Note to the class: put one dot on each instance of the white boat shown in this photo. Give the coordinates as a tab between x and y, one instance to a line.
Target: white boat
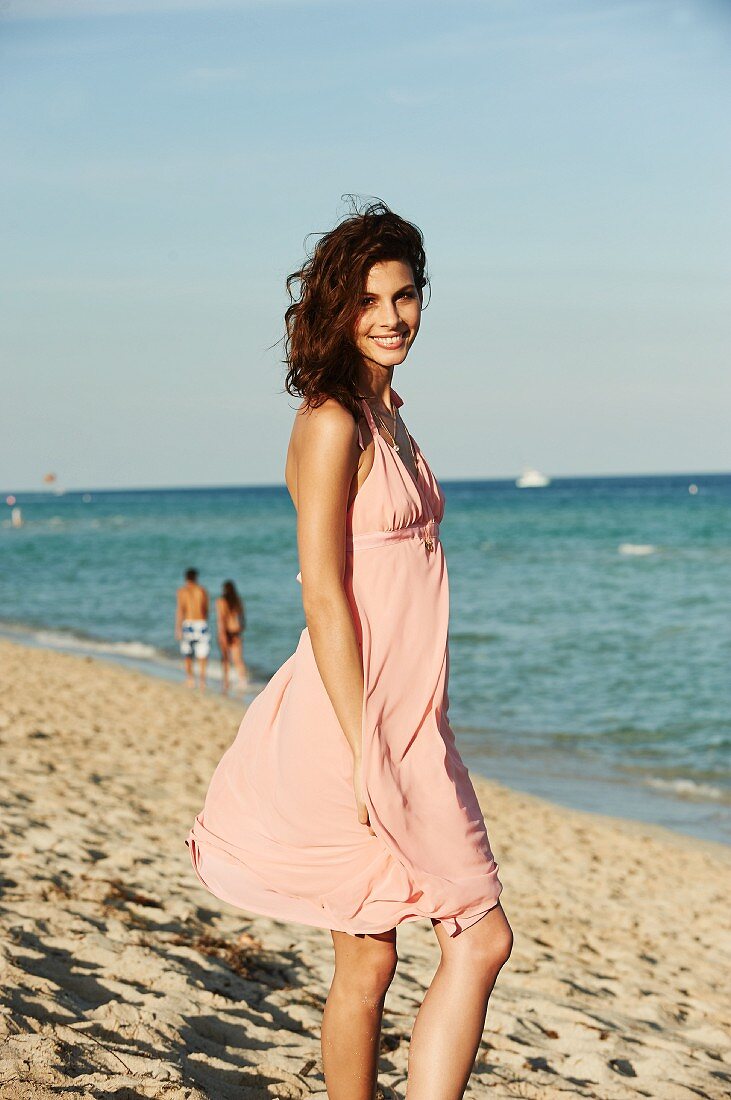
532	479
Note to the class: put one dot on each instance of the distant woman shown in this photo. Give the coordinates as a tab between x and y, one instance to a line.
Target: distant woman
231	622
343	802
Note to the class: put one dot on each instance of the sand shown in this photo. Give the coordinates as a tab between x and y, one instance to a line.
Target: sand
122	977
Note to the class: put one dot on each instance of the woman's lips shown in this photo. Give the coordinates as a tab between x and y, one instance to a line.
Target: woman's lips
388	343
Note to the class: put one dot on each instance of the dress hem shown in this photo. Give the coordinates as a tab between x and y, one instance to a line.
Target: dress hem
460	923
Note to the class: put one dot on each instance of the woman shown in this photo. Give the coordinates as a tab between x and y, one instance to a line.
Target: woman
231	621
343	802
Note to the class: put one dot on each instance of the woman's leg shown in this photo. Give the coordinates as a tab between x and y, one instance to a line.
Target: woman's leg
449	1024
224	665
351	1022
237	655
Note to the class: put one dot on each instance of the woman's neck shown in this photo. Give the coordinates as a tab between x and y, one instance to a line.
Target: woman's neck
376	388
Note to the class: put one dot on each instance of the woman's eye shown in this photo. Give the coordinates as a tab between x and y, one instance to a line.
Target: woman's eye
407	294
367	302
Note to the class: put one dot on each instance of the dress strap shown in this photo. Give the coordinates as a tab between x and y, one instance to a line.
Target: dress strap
369	416
361	444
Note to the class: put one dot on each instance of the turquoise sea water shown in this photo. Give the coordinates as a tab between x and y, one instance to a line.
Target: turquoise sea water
590	633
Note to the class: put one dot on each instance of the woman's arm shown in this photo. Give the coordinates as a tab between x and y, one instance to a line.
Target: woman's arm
326	462
178	615
221	608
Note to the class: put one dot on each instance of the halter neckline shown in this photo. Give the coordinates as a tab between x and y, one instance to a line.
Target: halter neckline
415	481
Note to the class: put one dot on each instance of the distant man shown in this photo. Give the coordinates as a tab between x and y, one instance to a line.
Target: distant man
191	627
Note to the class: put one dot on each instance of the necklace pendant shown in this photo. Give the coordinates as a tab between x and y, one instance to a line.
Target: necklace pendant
396	447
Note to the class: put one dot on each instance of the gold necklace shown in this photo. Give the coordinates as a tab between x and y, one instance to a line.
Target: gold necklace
396	417
391	436
394	444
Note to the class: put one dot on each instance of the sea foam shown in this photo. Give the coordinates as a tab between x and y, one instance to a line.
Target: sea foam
636	549
687	788
139	651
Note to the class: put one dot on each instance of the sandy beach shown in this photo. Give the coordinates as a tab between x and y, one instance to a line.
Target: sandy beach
122	977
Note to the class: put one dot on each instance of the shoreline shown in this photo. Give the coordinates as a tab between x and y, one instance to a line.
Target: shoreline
560	778
125	977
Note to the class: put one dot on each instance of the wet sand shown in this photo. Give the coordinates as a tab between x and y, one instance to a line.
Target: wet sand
122	977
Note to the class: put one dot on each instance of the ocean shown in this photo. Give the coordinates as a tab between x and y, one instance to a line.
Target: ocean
590	631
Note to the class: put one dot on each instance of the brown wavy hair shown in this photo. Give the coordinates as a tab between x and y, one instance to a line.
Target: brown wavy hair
231	596
325	300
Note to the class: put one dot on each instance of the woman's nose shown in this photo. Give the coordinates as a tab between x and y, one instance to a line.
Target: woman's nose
388	315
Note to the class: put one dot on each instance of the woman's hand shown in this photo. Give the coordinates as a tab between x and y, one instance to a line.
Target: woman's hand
358	789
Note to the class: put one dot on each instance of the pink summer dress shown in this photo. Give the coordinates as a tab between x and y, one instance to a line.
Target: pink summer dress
279	833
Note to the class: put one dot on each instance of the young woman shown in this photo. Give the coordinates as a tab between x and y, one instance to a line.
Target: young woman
344	802
231	622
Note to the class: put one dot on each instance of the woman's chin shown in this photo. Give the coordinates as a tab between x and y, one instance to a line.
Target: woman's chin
386	359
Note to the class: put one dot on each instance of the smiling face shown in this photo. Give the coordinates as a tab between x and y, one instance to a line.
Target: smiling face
390	314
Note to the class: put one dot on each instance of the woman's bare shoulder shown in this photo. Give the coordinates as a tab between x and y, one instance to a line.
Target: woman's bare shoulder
323	442
325	424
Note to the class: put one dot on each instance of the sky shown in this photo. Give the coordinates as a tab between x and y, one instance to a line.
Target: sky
164	161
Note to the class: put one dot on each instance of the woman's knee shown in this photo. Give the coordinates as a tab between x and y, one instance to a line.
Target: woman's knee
502	946
385	970
487	945
377	972
368	970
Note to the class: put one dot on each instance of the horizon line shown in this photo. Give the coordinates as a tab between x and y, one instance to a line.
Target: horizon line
509	480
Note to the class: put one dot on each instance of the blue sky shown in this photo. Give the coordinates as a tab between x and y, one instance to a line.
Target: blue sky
568	162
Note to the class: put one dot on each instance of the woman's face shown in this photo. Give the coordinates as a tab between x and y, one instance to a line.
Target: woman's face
390	314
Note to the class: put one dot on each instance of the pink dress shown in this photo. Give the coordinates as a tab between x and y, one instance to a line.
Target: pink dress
279	833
